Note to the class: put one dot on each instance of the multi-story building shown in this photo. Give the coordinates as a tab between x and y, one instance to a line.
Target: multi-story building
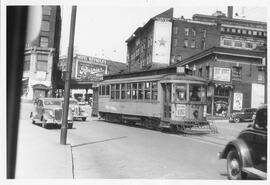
86	72
40	75
165	40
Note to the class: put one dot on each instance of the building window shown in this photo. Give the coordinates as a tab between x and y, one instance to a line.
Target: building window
244	31
254	33
236	72
185	43
44	42
249	32
239	31
233	30
227	42
186	31
193	33
238	44
193	44
260	33
46	10
222	29
265	34
203	44
175	42
175	30
204	33
227	29
249	45
45	26
26	63
42	63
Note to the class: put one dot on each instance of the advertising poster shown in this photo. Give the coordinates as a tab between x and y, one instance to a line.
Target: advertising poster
237	101
222	74
90	71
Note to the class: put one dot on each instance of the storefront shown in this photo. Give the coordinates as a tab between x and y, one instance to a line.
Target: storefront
40	91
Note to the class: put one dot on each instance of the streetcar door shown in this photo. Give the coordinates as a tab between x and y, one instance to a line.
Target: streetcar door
167	92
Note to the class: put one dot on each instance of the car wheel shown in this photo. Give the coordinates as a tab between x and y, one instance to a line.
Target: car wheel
83	119
43	124
236	120
234	166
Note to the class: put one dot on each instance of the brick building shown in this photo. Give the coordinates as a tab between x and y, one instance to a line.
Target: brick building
40	75
165	40
235	78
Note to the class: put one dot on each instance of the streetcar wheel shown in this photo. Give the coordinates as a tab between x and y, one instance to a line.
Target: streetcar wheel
236	120
234	166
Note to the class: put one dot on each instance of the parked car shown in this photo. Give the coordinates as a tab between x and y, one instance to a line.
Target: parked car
48	111
246	114
77	110
247	154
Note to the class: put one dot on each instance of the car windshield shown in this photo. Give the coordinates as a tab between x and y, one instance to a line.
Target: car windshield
52	102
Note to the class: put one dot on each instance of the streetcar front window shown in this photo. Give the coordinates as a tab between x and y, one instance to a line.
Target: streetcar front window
197	93
180	92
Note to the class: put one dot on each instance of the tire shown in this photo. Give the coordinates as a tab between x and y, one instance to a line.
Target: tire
234	166
44	125
83	119
236	120
70	126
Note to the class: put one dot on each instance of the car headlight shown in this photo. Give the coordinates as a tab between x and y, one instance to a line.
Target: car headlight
51	113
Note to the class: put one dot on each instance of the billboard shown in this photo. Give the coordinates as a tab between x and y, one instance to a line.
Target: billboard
257	95
162	41
222	74
90	71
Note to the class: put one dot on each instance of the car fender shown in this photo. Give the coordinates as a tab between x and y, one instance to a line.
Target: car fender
242	150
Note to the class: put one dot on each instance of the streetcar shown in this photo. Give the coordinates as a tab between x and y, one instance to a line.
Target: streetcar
167	99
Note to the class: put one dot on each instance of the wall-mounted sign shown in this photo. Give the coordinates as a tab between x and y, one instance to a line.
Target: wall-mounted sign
180	110
237	101
91	59
222	74
90	72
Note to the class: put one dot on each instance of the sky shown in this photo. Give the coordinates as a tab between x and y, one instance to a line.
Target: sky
101	30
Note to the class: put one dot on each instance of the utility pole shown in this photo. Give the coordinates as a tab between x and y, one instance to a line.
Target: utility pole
63	137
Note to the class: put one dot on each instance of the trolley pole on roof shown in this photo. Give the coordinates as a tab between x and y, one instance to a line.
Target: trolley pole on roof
67	76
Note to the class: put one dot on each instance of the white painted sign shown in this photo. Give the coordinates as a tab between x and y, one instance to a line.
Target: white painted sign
257	95
222	74
162	42
237	101
180	110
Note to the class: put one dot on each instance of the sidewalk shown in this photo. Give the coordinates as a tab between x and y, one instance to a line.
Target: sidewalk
39	152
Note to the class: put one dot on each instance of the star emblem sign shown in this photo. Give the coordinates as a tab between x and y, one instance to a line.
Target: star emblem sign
162	42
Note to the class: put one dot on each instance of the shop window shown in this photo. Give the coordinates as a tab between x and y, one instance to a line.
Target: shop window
154	90
26	63
180	92
236	72
45	26
134	91
117	91
123	91
147	91
220	91
113	91
140	90
128	92
186	31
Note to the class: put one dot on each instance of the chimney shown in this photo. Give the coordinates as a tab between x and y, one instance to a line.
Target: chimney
230	12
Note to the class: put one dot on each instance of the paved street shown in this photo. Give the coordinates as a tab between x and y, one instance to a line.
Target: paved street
105	150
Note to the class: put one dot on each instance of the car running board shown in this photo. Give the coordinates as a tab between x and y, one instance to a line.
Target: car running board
255	171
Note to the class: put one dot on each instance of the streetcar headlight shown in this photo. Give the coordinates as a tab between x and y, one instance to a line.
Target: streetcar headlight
51	113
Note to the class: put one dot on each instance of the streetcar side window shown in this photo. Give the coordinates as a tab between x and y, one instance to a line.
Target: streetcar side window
134	91
117	91
140	91
107	90
154	90
99	90
147	92
123	91
113	91
128	93
180	92
103	90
